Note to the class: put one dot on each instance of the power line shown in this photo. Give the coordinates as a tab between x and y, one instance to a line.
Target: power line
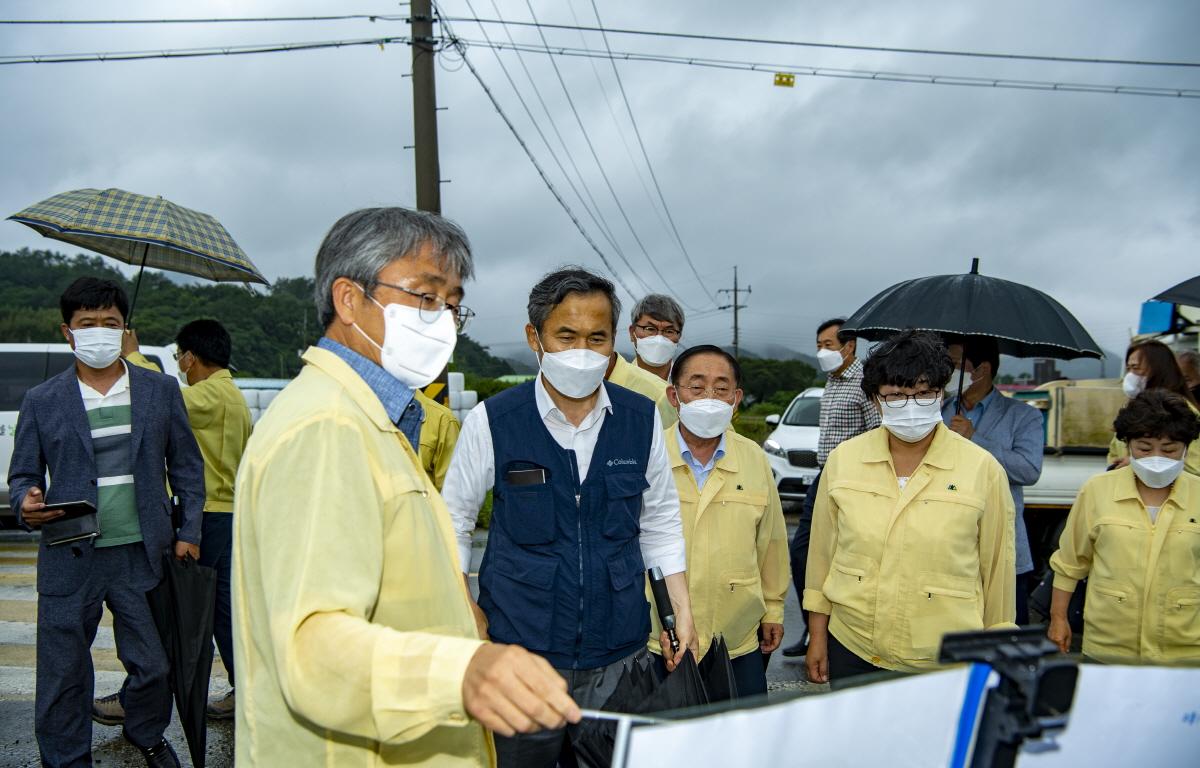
593	212
842	46
858	74
646	157
223	20
542	173
189	53
600	166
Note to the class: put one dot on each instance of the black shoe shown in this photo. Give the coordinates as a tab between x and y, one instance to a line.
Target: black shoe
797	649
161	755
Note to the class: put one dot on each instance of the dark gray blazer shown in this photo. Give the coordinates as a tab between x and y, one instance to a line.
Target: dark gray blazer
53	434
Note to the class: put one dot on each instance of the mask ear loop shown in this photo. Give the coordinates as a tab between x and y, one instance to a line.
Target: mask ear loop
361	332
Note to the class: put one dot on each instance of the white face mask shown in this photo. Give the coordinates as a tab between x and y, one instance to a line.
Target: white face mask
97	347
1157	471
966	381
706	417
1133	384
911	422
655	350
575	373
413	352
829	359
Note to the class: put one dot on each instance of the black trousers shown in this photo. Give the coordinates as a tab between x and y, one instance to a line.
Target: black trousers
749	672
845	665
798	550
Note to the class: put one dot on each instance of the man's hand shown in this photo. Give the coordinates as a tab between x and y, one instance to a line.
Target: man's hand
772	636
962	425
509	690
685	633
183	549
129	342
1059	633
33	510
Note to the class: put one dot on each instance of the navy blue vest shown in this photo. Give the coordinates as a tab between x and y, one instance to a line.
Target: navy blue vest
562	574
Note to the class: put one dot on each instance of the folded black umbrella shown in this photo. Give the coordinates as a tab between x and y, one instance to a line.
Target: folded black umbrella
1024	321
716	671
182	605
638	692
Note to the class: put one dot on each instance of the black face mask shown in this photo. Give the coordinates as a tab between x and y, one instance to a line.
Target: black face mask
1196	393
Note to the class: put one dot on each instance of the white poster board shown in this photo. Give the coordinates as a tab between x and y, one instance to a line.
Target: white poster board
1128	716
911	721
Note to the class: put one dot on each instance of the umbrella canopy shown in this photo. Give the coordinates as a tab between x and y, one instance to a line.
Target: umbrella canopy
182	605
1186	293
1025	321
143	231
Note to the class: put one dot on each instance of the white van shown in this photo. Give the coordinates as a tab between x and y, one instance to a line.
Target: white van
24	366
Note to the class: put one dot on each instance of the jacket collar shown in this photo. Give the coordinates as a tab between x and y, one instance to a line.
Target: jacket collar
363	396
940	453
1125	488
727	463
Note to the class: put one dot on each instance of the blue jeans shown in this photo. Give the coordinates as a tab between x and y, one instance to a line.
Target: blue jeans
216	551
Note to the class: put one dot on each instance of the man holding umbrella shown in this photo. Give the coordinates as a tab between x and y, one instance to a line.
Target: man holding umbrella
1010	430
112	435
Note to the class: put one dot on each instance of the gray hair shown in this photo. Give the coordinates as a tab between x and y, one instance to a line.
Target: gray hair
661	307
1189	360
552	289
362	243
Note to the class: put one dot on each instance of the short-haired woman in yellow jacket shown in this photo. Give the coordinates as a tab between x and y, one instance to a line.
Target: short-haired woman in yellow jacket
913	528
1134	533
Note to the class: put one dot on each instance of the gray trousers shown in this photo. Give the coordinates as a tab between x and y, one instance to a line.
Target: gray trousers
66	627
590	688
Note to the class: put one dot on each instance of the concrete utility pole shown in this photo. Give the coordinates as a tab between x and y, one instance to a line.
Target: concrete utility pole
735	306
425	132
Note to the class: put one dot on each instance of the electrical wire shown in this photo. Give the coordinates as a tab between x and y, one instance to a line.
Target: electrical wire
541	172
223	20
603	174
645	156
858	74
593	211
842	46
189	53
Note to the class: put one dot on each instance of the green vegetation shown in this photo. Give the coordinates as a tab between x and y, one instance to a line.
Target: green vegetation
751	422
270	327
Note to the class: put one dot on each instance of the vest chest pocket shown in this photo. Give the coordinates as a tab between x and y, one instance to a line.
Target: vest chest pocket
624	491
529	514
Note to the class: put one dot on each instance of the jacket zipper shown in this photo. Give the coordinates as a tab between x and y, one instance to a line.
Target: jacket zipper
579	539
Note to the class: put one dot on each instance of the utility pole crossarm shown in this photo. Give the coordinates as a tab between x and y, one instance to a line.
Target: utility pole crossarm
735	306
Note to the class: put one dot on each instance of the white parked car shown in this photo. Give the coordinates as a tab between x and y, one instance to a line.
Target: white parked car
792	448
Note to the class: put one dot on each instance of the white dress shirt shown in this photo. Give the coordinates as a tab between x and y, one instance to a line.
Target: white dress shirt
472	474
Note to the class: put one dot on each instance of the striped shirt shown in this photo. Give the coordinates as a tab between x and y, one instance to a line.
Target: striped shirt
845	410
110	419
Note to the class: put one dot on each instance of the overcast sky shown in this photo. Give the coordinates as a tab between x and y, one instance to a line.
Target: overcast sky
822	194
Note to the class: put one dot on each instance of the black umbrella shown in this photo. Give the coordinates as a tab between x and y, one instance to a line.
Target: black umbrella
182	606
716	671
1025	321
1186	293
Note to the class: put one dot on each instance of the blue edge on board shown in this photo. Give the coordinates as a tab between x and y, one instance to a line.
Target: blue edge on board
967	718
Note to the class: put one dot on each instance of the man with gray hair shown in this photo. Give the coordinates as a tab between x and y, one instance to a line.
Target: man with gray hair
583	503
655	326
1189	363
355	641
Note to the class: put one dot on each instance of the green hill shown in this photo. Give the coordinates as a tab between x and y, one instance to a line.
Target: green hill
270	327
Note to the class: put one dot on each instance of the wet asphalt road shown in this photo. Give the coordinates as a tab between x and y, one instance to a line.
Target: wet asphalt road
18	553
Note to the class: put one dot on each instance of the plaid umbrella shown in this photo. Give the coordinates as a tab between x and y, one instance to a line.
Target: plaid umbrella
143	231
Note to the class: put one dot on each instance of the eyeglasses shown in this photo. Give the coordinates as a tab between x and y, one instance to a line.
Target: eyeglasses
697	391
179	353
899	399
431	306
670	332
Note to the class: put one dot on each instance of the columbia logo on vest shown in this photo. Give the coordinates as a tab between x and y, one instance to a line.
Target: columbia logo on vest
621	463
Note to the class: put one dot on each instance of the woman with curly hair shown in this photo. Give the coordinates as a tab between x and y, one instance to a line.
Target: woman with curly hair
1134	533
912	531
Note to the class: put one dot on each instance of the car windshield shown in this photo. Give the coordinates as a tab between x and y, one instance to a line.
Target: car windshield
804	412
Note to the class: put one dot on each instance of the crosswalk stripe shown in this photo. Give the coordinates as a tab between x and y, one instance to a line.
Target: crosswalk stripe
17	579
26	611
103	659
